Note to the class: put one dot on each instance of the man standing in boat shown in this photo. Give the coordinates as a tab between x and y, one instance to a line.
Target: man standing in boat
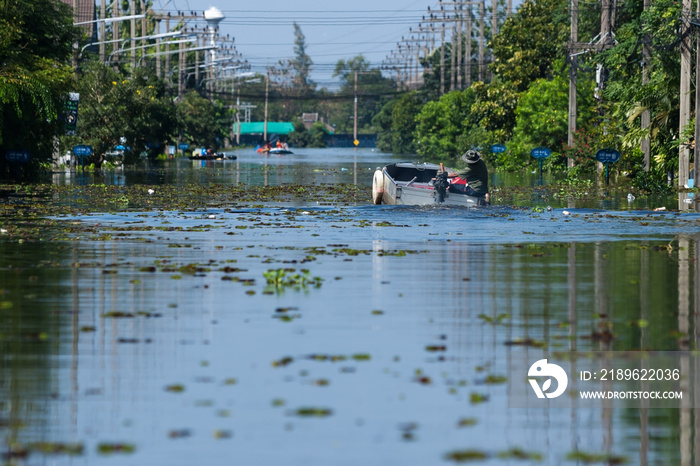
473	180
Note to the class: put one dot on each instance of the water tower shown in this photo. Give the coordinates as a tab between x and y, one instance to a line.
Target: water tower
213	16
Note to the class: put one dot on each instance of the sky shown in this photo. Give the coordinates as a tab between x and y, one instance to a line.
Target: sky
264	33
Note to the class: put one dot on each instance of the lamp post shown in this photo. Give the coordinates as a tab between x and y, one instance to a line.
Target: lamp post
213	16
115	19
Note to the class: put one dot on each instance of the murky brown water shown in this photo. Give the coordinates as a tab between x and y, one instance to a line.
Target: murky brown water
155	338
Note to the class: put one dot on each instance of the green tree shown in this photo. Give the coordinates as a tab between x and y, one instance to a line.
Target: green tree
494	109
542	119
431	71
201	122
290	83
36	38
443	127
116	110
530	41
397	123
302	62
628	97
372	90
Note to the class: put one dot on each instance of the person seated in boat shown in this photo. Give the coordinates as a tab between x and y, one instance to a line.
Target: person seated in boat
473	180
279	144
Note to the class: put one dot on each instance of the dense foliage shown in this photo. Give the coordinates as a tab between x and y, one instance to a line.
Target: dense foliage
525	103
522	102
36	40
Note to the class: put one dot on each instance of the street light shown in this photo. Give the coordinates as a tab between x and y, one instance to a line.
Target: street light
170	42
111	20
170	52
154	36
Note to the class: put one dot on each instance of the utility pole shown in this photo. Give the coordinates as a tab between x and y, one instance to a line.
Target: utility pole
267	88
573	106
684	119
467	54
645	145
606	39
494	18
115	25
181	72
354	125
132	10
697	99
144	26
103	30
482	39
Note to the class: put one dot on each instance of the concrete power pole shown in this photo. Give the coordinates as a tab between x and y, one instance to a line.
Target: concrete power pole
267	90
103	30
645	145
605	41
684	119
115	25
482	39
697	99
132	11
354	124
573	106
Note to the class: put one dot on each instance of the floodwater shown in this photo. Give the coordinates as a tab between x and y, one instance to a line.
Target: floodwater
386	335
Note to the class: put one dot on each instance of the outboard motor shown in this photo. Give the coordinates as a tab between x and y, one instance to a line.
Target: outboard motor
441	185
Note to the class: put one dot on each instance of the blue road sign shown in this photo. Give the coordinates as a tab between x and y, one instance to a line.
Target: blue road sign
183	146
498	148
20	156
540	153
82	150
607	156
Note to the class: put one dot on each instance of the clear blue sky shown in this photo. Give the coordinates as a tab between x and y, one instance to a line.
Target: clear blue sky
334	30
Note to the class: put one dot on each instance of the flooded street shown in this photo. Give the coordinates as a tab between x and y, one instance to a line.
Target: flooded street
312	332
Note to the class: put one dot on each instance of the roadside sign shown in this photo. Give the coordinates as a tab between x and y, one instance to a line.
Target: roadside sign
607	156
120	147
356	142
540	153
69	114
82	151
21	156
498	148
183	146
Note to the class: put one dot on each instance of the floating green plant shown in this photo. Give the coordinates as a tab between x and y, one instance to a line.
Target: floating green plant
462	456
313	412
477	398
109	448
290	278
587	457
175	388
466	422
54	448
520	454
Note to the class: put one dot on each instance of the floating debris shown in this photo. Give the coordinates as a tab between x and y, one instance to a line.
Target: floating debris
109	448
313	412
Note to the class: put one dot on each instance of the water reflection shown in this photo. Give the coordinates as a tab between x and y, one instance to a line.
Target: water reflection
167	338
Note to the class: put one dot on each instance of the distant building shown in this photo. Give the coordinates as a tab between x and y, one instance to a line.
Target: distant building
309	119
83	10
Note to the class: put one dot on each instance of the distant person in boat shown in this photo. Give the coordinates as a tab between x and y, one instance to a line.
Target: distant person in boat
473	180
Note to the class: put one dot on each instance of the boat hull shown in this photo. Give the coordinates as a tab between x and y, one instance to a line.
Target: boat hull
407	183
217	156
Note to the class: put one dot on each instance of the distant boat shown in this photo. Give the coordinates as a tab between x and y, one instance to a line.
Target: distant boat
213	156
273	150
279	151
407	183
